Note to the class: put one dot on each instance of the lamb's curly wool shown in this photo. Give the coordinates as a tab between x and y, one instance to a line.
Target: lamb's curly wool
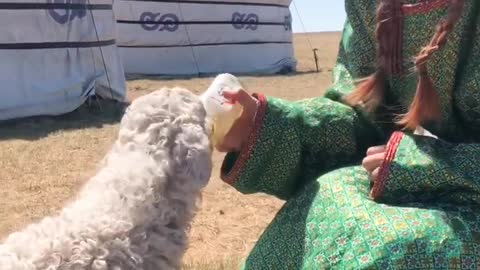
134	213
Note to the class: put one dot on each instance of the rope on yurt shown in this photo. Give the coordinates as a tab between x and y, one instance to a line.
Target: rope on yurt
117	109
189	40
101	53
307	35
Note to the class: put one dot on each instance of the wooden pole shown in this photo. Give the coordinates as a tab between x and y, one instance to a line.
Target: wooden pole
316	58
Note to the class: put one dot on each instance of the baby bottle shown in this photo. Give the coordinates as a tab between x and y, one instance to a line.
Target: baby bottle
218	108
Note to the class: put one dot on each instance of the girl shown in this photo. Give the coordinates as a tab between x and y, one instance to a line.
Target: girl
362	190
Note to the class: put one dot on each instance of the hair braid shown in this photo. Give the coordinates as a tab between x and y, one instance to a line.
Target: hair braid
426	104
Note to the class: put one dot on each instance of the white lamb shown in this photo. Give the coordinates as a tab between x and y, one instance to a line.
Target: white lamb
135	212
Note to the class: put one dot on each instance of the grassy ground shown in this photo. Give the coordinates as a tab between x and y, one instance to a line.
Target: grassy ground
44	161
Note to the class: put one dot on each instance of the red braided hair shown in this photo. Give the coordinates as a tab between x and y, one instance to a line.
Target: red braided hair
425	105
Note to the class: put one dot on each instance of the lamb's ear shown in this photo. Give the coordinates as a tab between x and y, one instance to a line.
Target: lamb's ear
192	155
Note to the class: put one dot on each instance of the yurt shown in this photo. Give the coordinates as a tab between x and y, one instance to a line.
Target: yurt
55	54
192	37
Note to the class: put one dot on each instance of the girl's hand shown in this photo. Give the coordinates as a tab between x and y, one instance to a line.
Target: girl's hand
373	161
238	135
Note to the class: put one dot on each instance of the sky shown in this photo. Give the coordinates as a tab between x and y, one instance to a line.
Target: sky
318	15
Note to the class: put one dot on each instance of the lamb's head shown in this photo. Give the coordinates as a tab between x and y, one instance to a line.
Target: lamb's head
171	125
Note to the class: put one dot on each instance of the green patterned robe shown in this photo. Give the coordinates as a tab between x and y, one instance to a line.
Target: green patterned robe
424	211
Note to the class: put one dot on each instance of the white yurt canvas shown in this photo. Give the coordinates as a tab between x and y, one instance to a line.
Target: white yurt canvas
192	37
56	53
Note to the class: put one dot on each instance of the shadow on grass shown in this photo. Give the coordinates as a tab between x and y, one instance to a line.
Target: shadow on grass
159	77
92	114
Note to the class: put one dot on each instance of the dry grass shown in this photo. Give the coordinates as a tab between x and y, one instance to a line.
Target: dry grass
227	264
43	161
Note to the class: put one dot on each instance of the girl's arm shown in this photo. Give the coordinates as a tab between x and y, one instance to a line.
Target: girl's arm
419	168
294	142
